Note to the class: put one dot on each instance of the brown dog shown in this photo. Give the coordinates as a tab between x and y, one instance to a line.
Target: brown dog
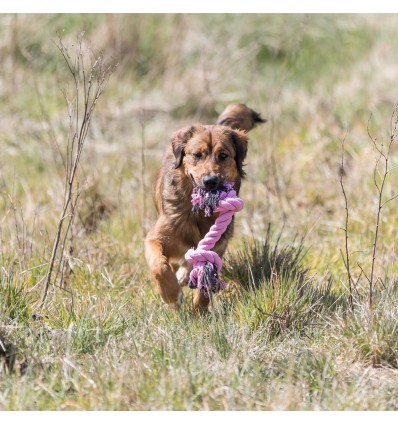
208	155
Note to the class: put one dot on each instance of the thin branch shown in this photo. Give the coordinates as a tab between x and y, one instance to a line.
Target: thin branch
389	200
143	172
380	189
363	272
79	124
346	260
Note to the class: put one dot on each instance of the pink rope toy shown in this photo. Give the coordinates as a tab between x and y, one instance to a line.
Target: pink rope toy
206	263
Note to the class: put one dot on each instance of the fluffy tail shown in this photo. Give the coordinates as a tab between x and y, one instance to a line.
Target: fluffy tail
239	116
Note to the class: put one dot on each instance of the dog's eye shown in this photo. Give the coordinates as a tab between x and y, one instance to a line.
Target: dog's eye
198	155
222	156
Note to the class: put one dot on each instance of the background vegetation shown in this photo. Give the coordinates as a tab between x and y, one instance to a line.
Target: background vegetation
282	336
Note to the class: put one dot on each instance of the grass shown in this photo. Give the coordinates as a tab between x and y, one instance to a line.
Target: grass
281	336
258	262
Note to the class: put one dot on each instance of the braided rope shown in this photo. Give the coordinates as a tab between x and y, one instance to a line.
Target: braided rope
206	263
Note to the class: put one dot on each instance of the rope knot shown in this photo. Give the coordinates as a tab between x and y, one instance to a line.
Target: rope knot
206	263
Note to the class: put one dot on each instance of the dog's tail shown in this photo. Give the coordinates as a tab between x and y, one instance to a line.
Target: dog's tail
239	116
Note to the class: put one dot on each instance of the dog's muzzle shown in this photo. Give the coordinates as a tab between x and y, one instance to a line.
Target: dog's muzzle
211	182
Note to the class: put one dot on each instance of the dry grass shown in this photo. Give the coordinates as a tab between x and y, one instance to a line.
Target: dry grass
105	341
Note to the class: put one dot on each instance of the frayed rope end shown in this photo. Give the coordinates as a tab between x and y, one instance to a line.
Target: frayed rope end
205	278
207	200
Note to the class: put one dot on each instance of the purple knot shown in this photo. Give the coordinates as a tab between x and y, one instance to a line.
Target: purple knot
207	200
206	279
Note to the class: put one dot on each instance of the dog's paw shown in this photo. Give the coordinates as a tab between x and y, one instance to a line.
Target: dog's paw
182	276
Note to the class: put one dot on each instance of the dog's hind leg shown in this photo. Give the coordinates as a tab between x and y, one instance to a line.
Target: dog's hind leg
165	279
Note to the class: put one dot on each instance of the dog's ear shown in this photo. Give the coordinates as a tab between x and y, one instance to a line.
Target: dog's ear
240	139
178	141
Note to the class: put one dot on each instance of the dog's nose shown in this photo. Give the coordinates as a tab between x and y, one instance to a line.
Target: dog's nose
210	182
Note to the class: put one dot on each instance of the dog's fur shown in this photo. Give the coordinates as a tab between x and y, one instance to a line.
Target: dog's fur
202	155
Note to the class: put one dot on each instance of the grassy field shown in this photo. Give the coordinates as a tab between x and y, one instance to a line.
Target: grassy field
278	338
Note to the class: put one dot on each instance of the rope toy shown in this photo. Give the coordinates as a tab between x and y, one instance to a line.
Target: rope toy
206	263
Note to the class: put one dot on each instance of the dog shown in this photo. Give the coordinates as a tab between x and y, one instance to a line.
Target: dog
204	155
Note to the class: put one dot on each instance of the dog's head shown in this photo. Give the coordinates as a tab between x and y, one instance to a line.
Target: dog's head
211	155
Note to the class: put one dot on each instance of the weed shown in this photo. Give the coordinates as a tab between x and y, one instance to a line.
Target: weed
259	262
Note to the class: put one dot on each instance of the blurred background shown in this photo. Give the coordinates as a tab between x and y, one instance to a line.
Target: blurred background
316	78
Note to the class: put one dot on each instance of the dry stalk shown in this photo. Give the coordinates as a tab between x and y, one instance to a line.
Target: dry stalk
346	255
89	75
143	173
379	180
383	157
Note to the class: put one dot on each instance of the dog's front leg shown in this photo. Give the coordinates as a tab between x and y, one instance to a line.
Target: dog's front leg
183	271
165	279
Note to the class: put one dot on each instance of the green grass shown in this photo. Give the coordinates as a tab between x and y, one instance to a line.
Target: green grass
281	336
258	263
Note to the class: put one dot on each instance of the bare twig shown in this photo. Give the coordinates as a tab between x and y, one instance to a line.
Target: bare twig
346	257
383	156
89	81
363	272
143	172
